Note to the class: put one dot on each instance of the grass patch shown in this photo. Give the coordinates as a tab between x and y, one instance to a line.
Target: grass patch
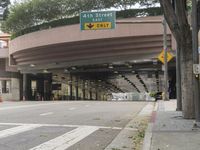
139	136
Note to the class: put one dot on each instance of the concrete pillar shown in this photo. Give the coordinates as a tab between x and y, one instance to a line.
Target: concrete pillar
76	92
83	89
40	89
47	90
25	94
90	92
96	93
15	88
3	85
70	88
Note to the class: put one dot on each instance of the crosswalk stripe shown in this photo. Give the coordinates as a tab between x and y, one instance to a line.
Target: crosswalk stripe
68	139
62	125
46	114
73	108
17	130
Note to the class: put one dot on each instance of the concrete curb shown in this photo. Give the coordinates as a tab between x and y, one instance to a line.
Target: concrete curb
148	137
148	132
124	138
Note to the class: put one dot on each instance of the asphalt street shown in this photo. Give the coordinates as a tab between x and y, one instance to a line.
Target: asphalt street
60	125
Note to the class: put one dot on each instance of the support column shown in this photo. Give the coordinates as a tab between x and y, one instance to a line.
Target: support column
90	93
25	94
70	88
83	89
76	86
3	84
15	89
96	93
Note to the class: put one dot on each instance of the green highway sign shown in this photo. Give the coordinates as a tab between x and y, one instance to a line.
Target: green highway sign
98	20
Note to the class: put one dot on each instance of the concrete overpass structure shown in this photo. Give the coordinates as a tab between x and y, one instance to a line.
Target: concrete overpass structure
135	38
98	58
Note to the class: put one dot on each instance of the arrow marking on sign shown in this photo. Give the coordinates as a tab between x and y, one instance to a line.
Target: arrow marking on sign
90	26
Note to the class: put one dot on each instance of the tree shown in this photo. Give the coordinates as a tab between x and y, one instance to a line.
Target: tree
177	20
4	4
34	12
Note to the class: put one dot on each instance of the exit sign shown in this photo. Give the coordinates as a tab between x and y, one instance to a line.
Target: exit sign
98	20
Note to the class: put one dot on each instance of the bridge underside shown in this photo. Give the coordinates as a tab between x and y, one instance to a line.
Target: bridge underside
127	64
90	52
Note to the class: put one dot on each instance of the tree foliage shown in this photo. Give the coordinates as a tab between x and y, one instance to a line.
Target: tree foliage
75	20
34	12
4	5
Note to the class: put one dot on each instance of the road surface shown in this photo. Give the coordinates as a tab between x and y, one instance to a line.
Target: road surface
60	125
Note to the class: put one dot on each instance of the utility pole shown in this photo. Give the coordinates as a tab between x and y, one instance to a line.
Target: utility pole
178	80
166	95
195	61
178	70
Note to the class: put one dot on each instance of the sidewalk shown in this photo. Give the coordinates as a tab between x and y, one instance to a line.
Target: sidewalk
124	140
170	131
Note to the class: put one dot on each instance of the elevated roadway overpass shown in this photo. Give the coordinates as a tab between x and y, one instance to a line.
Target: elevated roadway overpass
70	54
133	39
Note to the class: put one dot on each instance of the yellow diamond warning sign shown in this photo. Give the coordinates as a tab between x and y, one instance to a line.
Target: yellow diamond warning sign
161	56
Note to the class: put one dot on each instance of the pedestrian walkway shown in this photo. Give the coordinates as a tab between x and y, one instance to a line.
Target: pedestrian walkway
124	140
170	131
20	136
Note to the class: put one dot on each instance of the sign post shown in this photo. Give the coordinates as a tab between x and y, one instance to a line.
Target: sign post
166	95
98	20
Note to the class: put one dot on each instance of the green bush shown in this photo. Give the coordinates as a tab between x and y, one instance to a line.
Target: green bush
51	24
155	11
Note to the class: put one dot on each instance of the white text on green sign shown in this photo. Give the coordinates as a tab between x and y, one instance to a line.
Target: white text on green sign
97	20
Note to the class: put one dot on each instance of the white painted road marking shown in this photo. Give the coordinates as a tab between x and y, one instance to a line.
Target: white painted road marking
73	108
46	114
68	139
34	105
17	130
116	128
60	125
131	129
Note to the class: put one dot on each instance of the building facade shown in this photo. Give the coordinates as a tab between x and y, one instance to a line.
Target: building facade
10	77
